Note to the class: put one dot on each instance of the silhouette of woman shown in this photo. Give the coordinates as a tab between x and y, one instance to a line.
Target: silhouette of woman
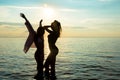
54	33
39	43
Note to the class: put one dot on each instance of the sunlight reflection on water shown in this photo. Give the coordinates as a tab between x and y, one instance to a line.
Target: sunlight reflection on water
78	59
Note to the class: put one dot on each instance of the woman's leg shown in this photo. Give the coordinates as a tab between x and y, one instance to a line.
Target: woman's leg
46	65
50	61
53	61
39	60
53	66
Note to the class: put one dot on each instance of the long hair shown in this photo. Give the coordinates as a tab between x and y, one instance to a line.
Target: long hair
56	26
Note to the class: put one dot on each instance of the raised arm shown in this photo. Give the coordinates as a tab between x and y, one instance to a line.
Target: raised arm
48	30
40	24
28	25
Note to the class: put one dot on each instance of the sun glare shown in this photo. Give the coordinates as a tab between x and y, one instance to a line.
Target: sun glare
48	12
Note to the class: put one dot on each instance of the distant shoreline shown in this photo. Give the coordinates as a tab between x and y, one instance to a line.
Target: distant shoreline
65	37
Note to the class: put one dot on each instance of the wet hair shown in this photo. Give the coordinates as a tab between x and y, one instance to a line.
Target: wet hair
40	31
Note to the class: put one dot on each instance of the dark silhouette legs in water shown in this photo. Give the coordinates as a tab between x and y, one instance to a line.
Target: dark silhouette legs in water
39	59
50	62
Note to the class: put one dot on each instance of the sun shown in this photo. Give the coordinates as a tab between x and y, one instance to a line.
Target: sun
48	12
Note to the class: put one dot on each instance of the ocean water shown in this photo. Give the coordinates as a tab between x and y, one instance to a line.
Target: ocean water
78	59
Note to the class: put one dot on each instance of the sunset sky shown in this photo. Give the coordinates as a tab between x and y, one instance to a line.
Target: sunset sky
79	18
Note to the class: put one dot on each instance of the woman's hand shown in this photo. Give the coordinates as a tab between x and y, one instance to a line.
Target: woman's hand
41	21
40	24
22	15
46	27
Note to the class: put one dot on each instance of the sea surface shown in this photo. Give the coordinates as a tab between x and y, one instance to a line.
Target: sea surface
78	59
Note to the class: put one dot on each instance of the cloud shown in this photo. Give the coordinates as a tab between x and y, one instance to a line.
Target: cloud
105	0
7	12
69	10
101	20
101	24
8	30
7	8
4	12
21	7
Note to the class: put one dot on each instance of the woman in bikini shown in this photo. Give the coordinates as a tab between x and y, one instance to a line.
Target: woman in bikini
38	39
54	34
